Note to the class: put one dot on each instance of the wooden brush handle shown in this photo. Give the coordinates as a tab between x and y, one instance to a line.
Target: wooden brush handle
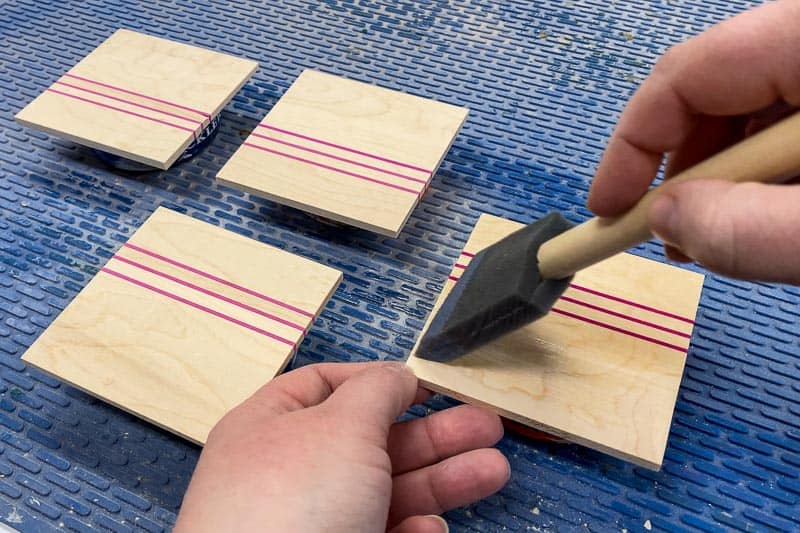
771	155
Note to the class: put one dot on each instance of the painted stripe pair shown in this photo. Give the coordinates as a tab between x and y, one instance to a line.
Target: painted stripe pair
414	178
110	270
101	93
462	264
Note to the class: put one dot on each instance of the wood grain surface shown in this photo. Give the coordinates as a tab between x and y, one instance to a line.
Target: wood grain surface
139	97
346	150
184	322
601	369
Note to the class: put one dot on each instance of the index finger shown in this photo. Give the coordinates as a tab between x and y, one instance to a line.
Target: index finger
739	66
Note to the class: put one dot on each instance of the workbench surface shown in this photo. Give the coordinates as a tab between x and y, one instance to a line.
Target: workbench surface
545	82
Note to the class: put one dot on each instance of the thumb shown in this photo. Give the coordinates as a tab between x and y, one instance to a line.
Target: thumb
374	398
746	230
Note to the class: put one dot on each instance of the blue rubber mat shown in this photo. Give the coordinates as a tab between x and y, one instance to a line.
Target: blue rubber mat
545	82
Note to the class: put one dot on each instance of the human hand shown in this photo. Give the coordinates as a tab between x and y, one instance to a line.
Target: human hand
702	96
318	449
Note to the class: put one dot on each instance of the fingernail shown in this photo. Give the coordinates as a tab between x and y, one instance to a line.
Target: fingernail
663	219
442	520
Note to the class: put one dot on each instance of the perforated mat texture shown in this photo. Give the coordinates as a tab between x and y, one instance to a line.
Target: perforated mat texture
545	82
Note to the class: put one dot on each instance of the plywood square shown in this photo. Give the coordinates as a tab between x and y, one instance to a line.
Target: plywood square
139	97
184	322
346	150
602	369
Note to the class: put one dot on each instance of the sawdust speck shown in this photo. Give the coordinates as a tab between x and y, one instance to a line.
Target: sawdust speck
629	35
14	517
647	525
535	510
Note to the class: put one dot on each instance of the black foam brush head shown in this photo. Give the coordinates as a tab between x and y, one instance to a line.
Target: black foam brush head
500	291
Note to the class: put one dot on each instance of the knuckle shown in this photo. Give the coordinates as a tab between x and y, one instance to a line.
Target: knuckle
716	245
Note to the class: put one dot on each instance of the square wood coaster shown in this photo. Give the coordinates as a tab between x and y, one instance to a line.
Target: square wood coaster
184	322
139	97
602	369
345	150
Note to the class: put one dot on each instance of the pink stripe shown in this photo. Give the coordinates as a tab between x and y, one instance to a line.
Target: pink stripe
625	317
134	93
634	304
334	169
196	121
620	330
198	306
459	265
617	299
345	148
210	293
217	279
121	110
343	159
614	328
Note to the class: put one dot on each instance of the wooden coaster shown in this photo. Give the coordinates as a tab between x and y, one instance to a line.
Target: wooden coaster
184	322
345	150
601	369
139	97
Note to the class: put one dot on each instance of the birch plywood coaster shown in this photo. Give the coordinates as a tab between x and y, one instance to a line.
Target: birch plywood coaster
184	322
345	150
602	369
139	97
